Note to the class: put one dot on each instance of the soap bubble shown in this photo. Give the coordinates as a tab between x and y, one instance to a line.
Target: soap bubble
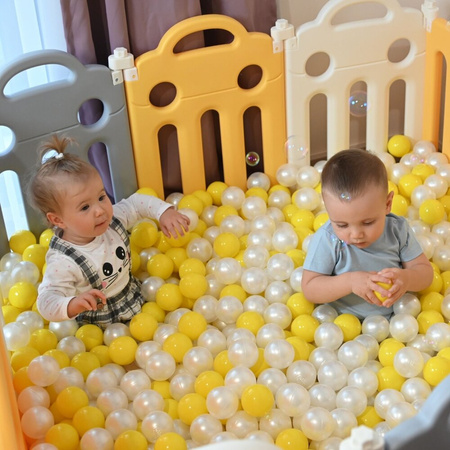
358	104
252	159
296	150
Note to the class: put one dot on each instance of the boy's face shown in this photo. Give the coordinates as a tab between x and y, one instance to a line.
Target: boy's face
85	210
359	221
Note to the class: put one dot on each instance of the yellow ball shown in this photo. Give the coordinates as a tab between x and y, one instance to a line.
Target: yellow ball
222	363
444	353
43	340
289	211
297	255
432	211
251	320
291	438
162	387
192	324
169	441
427	318
216	189
227	245
85	362
257	400
61	357
192	202
224	211
304	326
160	265
154	310
193	285
298	305
122	350
387	351
143	326
70	400
22	357
380	297
423	171
178	255
10	313
20	240
144	234
147	191
260	365
392	187
399	145
257	192
169	297
191	406
22	295
177	344
206	381
178	240
235	290
369	417
88	417
436	369
445	200
131	439
302	349
91	335
432	300
204	196
399	205
102	353
408	183
21	380
319	220
35	253
389	378
63	436
45	237
436	284
350	326
135	262
303	217
192	265
302	232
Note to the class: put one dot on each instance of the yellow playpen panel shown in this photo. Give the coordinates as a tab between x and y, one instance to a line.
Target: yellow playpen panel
207	79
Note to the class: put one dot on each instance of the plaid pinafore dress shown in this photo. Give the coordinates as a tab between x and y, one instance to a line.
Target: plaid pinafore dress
120	308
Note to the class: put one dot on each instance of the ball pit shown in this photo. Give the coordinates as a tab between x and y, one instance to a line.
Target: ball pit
226	345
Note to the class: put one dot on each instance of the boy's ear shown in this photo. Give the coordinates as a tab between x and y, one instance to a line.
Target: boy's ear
389	202
55	220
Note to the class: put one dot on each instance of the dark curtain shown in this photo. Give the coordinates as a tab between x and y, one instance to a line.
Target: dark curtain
94	28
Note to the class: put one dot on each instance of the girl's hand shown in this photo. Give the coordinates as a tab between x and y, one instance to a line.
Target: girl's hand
173	223
87	301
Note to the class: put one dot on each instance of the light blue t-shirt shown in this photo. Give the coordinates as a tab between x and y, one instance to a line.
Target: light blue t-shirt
328	255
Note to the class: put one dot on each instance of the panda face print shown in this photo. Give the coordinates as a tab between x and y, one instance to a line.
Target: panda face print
111	269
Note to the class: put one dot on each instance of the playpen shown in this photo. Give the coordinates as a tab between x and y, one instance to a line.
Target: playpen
207	79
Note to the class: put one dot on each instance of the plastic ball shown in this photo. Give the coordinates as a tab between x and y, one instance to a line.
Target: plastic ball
432	211
70	400
345	421
286	175
398	413
436	369
407	304
120	420
376	326
403	327
213	340
333	374
279	353
20	240
222	402
257	400
328	335
243	352
293	399
280	266
304	326
408	362
420	194
16	335
111	399
228	270
199	248
415	388
364	379
317	423
253	207
25	271
203	428
353	399
43	370
22	295
63	436
350	326
63	329
399	145
306	198
36	421
301	372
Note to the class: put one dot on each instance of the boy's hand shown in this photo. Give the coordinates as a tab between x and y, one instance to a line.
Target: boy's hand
364	284
399	281
87	301
173	223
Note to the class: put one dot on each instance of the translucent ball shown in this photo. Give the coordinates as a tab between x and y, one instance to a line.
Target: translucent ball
286	175
222	402
441	257
242	424
324	313
147	401
111	400
284	238
437	184
100	379
364	379
403	327
238	378
420	194
275	422
254	280
424	148
256	256
228	270
320	355
442	170
181	384
293	399
278	291
25	271
438	336
163	332
63	329
150	286
328	335
398	413
258	179
353	399
156	424
317	423
268	333
243	352
36	421
445	307
233	196
229	308
279	314
306	198
280	267
204	427
253	207
301	372
134	382
43	370
333	374
199	248
376	326
407	304
33	396
260	237
213	340
272	378
358	104
160	365
114	331
385	398
279	353
120	420
408	362
174	198
323	396
345	421
295	280
9	260
259	435
296	150
353	354
415	388
16	335
255	303
144	350
370	343
68	376
396	171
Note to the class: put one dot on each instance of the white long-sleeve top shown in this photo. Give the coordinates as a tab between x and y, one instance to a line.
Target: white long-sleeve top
64	279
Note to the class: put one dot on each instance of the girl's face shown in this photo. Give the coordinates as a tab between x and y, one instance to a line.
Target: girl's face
85	210
359	221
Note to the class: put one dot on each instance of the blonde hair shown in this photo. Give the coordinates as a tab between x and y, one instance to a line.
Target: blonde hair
45	188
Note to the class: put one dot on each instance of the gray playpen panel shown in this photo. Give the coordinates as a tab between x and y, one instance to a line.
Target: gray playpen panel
37	113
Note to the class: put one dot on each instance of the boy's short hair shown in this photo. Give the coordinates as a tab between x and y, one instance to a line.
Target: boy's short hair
349	172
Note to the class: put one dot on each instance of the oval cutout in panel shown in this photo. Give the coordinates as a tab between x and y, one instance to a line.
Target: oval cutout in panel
399	50
317	64
250	76
163	94
7	139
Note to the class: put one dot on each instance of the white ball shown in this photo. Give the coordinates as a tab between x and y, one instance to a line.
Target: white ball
222	402
293	399
408	362
403	327
279	353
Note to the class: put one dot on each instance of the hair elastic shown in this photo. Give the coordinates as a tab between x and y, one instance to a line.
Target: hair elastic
50	155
